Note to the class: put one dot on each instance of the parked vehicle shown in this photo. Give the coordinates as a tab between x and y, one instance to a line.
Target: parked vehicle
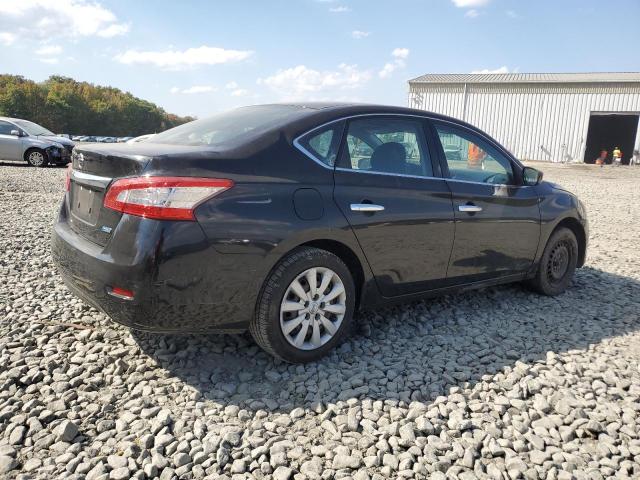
141	138
261	218
28	141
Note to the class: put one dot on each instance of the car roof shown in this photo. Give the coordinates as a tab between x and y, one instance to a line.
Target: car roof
308	115
349	109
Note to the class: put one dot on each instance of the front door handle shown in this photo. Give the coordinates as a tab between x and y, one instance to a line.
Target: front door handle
366	207
469	208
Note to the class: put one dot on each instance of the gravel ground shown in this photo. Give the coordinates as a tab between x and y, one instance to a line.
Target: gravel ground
499	383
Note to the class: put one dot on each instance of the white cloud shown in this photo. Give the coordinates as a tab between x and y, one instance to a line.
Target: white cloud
62	18
512	14
301	82
236	91
114	30
51	61
340	9
400	55
473	13
503	69
178	59
470	3
7	38
199	89
387	70
194	89
359	34
47	50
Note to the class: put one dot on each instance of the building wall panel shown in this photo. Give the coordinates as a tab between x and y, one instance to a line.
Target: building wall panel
537	122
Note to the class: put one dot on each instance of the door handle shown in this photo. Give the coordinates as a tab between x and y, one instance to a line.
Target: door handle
366	207
469	208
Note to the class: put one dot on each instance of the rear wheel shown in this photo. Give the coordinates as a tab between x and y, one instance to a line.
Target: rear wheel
305	307
558	263
36	158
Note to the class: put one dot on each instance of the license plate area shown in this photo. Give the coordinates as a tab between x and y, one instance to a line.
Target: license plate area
85	203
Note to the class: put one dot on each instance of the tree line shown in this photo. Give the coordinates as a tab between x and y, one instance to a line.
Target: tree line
64	105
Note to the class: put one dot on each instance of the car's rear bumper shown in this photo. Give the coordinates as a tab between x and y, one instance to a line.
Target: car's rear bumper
177	287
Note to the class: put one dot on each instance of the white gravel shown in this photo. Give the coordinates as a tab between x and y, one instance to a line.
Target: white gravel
499	384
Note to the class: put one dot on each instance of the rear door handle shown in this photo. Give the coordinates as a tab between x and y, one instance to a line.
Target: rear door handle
366	207
469	208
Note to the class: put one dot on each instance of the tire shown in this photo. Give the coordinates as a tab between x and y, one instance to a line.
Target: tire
558	263
36	157
277	327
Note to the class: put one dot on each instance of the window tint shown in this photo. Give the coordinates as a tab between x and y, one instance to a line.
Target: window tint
5	128
471	158
323	144
232	127
387	145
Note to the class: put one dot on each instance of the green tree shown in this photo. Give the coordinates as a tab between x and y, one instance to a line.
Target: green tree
64	105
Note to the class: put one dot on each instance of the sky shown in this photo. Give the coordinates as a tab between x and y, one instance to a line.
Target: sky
202	57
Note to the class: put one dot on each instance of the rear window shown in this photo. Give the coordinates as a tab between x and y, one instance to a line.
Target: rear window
234	126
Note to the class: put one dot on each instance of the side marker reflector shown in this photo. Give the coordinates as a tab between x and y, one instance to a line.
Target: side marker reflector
120	293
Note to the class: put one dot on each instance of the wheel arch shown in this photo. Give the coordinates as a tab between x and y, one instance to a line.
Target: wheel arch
348	256
578	230
25	155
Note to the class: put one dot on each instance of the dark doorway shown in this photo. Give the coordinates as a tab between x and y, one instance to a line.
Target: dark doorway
609	131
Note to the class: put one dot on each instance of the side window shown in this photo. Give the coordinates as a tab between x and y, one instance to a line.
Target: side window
6	127
471	158
387	145
323	144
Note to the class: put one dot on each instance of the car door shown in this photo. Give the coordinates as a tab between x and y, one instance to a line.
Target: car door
10	145
396	202
497	218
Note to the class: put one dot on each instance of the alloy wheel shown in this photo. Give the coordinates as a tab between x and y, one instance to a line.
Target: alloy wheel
313	308
36	159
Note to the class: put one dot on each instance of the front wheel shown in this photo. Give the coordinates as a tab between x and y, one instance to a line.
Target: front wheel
305	307
37	158
558	263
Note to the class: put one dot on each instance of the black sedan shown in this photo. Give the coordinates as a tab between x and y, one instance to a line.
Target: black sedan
286	219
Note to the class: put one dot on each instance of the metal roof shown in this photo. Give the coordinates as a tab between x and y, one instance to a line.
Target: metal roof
591	77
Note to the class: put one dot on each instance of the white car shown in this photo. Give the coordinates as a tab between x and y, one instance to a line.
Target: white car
28	141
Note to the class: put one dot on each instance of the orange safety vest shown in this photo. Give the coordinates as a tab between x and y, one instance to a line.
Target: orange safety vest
476	155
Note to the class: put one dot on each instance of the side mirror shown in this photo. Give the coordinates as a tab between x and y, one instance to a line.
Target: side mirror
16	133
531	176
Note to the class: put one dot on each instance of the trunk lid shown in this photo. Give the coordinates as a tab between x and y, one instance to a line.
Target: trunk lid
96	166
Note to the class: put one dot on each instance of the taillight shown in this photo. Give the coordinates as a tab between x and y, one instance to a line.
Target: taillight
67	182
163	198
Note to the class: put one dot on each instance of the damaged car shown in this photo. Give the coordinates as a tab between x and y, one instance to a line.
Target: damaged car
32	143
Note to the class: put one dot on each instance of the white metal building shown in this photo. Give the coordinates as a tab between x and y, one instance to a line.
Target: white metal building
541	116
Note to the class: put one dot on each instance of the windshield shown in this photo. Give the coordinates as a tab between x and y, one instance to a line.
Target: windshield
33	128
240	124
